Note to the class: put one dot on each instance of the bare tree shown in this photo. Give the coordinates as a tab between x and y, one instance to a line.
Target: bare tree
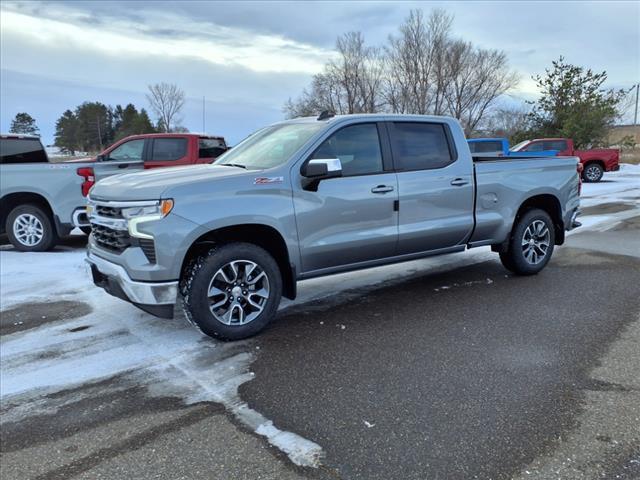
507	121
475	78
166	100
414	63
422	70
350	83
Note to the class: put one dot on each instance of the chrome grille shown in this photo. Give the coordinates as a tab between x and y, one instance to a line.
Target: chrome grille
109	212
110	238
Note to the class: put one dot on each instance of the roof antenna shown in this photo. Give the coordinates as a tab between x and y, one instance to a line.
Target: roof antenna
326	114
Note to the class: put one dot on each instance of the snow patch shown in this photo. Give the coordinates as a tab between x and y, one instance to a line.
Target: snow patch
486	281
169	358
301	451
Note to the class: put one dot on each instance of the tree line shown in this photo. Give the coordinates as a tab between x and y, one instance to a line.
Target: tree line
424	69
92	125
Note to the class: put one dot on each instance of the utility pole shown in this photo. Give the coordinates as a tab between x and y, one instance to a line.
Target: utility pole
100	133
635	117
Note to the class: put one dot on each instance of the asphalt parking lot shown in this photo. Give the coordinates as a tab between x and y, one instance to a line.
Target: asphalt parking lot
434	369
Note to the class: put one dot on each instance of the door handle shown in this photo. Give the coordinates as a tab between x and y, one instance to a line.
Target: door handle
123	165
382	189
459	182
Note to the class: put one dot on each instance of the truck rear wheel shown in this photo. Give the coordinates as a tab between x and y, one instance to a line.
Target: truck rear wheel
592	172
232	292
30	229
531	243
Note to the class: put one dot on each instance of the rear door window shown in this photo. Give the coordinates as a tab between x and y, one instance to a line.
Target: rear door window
420	146
168	149
22	150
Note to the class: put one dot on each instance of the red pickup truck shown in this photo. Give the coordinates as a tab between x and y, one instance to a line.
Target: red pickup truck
595	161
165	149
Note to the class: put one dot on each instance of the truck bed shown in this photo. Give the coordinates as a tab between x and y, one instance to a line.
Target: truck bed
502	182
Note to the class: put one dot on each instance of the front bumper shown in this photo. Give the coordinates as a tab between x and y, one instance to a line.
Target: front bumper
157	298
79	218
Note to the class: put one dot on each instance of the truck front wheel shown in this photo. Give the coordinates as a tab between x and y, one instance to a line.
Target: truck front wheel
232	292
531	243
30	229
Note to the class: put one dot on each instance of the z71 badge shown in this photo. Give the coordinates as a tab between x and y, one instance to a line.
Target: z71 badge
267	180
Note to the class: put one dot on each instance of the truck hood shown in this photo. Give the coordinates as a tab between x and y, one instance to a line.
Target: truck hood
149	184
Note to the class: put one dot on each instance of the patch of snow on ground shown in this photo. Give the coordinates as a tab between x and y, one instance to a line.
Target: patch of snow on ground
170	358
620	186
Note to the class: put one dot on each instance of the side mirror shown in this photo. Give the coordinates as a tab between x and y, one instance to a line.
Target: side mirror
101	158
320	168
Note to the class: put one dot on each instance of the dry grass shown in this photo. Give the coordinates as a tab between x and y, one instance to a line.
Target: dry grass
630	156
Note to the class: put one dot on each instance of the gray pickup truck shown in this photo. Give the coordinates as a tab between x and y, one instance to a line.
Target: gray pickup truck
312	197
42	201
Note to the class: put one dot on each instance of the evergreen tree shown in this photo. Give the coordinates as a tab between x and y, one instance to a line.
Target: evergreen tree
66	137
573	104
25	124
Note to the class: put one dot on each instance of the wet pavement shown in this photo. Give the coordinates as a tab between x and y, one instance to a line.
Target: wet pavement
464	372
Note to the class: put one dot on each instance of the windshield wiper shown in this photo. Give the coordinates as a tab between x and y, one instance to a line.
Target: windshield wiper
233	165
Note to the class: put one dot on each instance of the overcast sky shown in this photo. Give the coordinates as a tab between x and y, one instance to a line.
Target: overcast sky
248	58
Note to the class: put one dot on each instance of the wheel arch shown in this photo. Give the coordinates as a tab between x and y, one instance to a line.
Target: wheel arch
261	235
550	204
13	200
602	163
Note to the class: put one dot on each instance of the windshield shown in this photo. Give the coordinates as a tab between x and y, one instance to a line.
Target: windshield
518	146
271	146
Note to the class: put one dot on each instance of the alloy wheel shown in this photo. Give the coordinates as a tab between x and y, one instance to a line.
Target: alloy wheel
593	173
535	242
238	292
28	229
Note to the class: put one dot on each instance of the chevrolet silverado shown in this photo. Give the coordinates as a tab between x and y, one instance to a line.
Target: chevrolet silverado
315	196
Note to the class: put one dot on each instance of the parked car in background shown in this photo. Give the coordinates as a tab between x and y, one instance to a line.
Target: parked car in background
500	147
595	161
165	149
42	201
311	197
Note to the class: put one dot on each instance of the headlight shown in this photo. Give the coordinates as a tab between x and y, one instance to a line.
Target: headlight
161	209
148	213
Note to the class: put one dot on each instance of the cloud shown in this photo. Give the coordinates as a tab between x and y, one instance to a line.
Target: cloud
248	57
216	44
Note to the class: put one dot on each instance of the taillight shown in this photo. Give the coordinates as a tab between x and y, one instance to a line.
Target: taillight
89	179
579	169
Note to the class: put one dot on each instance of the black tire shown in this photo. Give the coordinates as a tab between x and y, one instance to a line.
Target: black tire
85	230
507	262
196	281
48	238
592	173
518	258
